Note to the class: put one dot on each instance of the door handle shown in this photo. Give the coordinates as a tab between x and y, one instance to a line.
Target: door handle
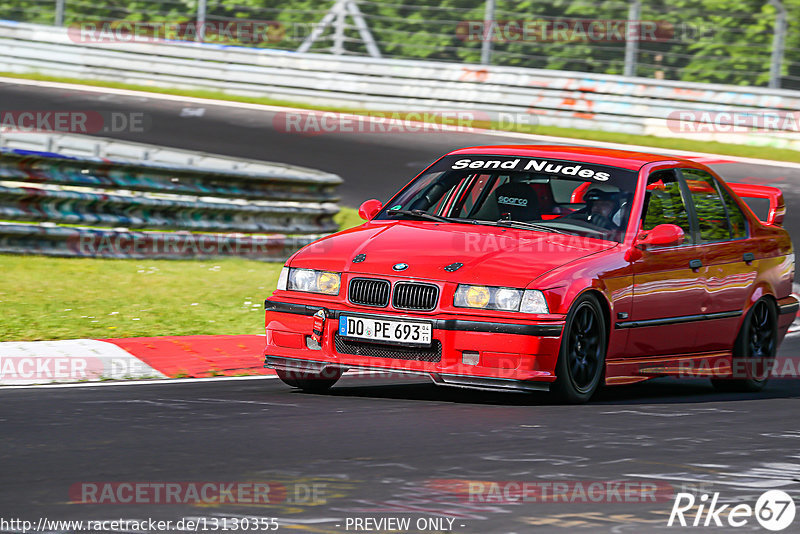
748	257
695	264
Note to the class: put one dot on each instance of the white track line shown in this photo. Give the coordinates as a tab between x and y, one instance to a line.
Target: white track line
494	133
162	381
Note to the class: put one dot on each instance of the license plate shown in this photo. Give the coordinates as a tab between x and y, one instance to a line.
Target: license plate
389	331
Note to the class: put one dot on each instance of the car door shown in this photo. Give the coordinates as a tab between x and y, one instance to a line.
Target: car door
729	266
668	286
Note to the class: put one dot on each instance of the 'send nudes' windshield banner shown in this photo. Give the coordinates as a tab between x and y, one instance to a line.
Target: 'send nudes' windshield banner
564	168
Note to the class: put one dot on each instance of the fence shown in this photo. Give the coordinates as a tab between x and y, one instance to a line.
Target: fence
69	195
743	42
548	97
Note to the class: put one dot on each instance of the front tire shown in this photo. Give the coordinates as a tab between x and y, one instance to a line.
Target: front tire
582	358
754	350
310	382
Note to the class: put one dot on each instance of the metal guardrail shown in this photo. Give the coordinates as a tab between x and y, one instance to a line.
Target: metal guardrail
119	244
557	98
83	162
266	211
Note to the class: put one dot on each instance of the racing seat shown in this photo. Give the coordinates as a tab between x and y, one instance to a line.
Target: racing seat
517	201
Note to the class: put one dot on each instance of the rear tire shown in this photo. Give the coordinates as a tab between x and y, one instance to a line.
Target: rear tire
581	361
754	350
311	382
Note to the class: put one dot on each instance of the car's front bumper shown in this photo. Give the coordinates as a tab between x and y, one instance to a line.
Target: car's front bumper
484	354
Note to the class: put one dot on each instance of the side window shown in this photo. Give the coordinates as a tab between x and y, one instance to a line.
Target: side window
736	218
712	217
664	204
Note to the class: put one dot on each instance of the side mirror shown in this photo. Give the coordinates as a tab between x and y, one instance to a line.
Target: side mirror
369	209
663	235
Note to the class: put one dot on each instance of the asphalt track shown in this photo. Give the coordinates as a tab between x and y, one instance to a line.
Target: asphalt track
376	446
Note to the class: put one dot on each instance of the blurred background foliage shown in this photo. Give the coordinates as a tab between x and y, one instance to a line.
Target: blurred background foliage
719	41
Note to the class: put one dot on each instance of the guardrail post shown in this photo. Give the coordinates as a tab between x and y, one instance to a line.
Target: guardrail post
201	20
336	16
778	39
59	20
632	38
488	25
338	29
363	29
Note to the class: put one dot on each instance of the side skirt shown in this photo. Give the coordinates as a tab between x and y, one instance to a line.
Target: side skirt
704	365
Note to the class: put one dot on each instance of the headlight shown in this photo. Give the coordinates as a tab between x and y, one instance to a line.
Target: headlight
310	281
303	280
500	298
507	299
474	296
328	283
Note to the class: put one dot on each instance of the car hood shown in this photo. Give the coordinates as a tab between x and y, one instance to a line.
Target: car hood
490	255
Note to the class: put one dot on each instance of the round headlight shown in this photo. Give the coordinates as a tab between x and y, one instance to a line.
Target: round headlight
507	299
477	297
303	280
328	283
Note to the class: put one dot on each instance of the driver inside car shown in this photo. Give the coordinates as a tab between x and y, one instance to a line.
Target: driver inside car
600	208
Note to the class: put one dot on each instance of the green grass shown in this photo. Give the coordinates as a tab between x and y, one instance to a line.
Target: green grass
63	298
348	218
712	147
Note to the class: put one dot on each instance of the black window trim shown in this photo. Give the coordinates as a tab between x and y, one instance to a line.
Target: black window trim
736	201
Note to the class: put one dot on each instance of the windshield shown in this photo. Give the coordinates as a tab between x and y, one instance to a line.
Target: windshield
530	193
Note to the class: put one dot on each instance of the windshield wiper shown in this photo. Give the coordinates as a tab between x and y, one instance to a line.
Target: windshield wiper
420	214
531	226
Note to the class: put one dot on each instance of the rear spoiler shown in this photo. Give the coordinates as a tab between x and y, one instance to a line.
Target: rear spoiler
777	207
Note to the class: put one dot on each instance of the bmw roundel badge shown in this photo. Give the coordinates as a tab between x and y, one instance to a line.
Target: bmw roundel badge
400	266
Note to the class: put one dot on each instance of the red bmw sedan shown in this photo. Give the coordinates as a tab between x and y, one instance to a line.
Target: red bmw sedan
543	268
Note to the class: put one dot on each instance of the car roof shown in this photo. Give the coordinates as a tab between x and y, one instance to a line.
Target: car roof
624	159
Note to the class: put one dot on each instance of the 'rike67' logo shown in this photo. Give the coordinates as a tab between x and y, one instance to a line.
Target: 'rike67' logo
774	510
